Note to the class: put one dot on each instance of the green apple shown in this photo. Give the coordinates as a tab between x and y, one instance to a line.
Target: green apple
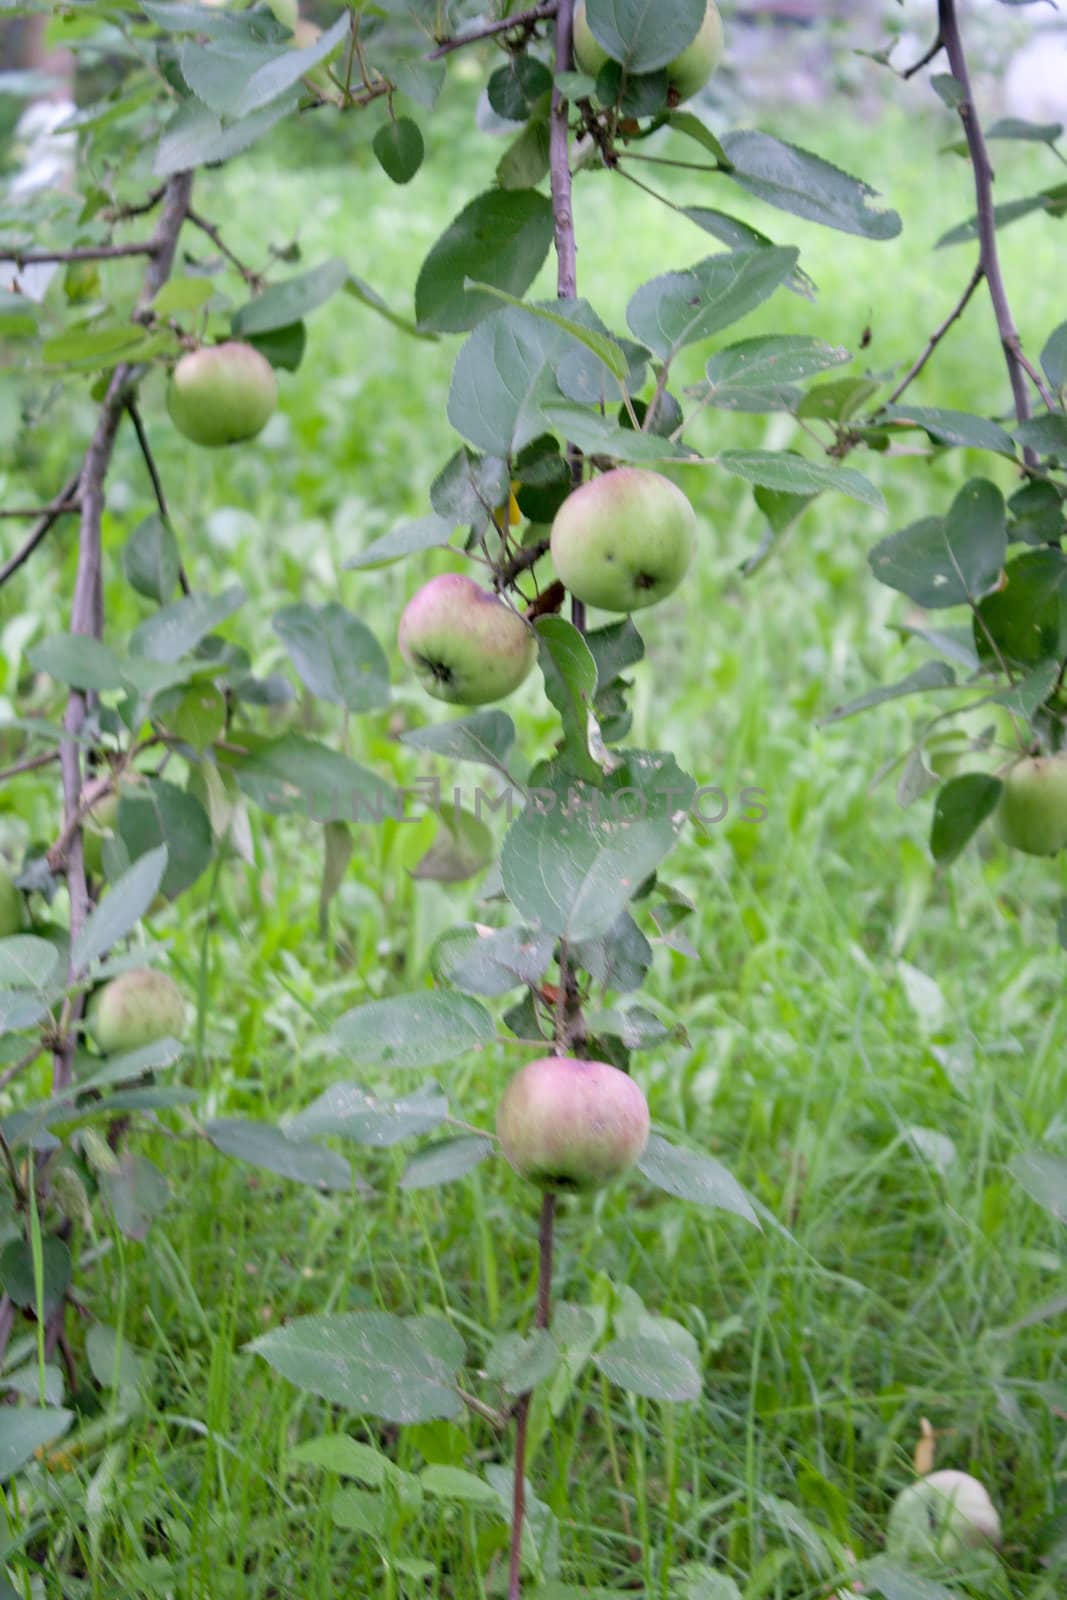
10	906
686	74
571	1126
979	741
135	1009
1031	814
467	647
624	540
941	1516
222	393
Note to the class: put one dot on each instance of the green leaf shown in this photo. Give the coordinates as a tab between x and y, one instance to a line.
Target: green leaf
503	374
687	123
570	676
955	428
950	561
649	1367
347	1111
101	348
484	737
195	136
1047	434
599	435
77	660
740	235
1051	200
297	774
501	238
792	474
362	291
644	35
806	186
399	148
371	1363
27	962
408	538
1025	621
120	910
182	294
681	308
899	1583
520	1364
445	1162
1044	1177
526	160
1018	128
338	845
462	848
492	961
24	1430
607	350
618	959
1054	357
579	854
698	1178
291	300
335	655
235	78
283	347
514	89
17	1272
454	1484
416	1030
178	628
267	1147
931	675
757	374
336	1452
150	560
114	1362
159	813
962	805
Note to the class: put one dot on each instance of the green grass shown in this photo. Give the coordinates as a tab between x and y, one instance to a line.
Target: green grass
843	996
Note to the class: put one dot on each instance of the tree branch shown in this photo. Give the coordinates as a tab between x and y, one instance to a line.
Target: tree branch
87	617
522	1414
60	507
938	334
519	19
989	258
90	252
30	764
254	280
925	59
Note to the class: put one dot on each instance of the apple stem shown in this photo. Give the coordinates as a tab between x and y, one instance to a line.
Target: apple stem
546	1237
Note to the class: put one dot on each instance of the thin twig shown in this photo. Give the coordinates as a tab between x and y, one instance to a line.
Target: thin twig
938	334
950	36
520	563
157	482
149	203
522	1412
59	508
89	252
487	30
30	764
20	1065
24	513
254	280
925	59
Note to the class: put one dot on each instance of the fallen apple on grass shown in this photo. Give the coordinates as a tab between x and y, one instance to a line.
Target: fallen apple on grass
940	1517
571	1126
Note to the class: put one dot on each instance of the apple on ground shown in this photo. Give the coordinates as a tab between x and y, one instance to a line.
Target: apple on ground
1031	814
467	647
571	1126
222	394
941	1516
10	906
686	74
135	1009
624	540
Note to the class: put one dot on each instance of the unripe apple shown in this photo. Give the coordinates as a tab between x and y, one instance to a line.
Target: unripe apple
135	1009
10	906
623	541
571	1126
467	647
222	393
1031	814
941	1516
686	74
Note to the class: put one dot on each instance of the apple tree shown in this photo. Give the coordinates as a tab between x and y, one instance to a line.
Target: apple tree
566	493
